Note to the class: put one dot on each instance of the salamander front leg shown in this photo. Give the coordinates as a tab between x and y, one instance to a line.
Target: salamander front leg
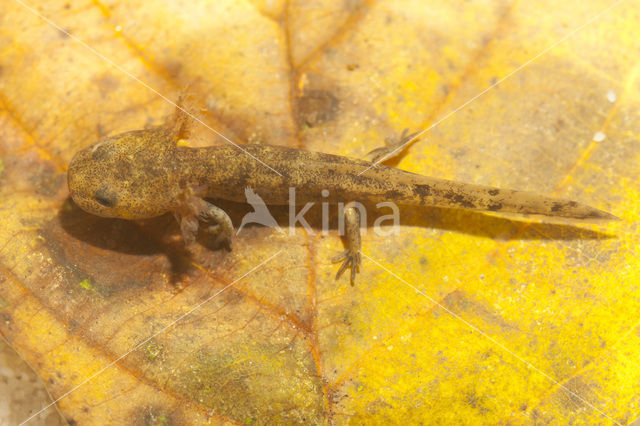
351	256
196	209
222	229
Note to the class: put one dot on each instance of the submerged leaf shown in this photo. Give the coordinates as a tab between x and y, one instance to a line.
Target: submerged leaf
459	317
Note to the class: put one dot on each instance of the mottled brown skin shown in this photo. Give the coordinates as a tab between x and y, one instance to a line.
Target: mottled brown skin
145	173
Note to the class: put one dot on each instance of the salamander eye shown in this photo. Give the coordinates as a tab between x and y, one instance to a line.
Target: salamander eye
105	197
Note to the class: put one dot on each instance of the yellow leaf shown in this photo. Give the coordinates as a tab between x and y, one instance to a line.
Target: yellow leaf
460	317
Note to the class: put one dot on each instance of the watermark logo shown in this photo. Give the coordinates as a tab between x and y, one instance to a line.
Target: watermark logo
260	213
384	225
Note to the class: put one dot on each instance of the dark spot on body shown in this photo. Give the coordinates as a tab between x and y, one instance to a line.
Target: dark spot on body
494	207
494	192
463	201
572	204
423	190
393	194
556	207
333	173
105	197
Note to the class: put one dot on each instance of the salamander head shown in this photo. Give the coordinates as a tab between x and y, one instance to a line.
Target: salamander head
129	176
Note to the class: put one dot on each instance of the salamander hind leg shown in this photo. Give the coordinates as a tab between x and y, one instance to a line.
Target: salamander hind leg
195	210
350	258
394	148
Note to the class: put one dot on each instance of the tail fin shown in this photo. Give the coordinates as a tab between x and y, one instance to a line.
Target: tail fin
445	193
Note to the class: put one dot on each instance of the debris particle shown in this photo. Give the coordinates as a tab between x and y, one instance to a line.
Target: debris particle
611	96
599	137
86	284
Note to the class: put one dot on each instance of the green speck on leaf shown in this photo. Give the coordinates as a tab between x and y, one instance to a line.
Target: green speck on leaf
153	350
86	284
248	421
153	419
162	420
